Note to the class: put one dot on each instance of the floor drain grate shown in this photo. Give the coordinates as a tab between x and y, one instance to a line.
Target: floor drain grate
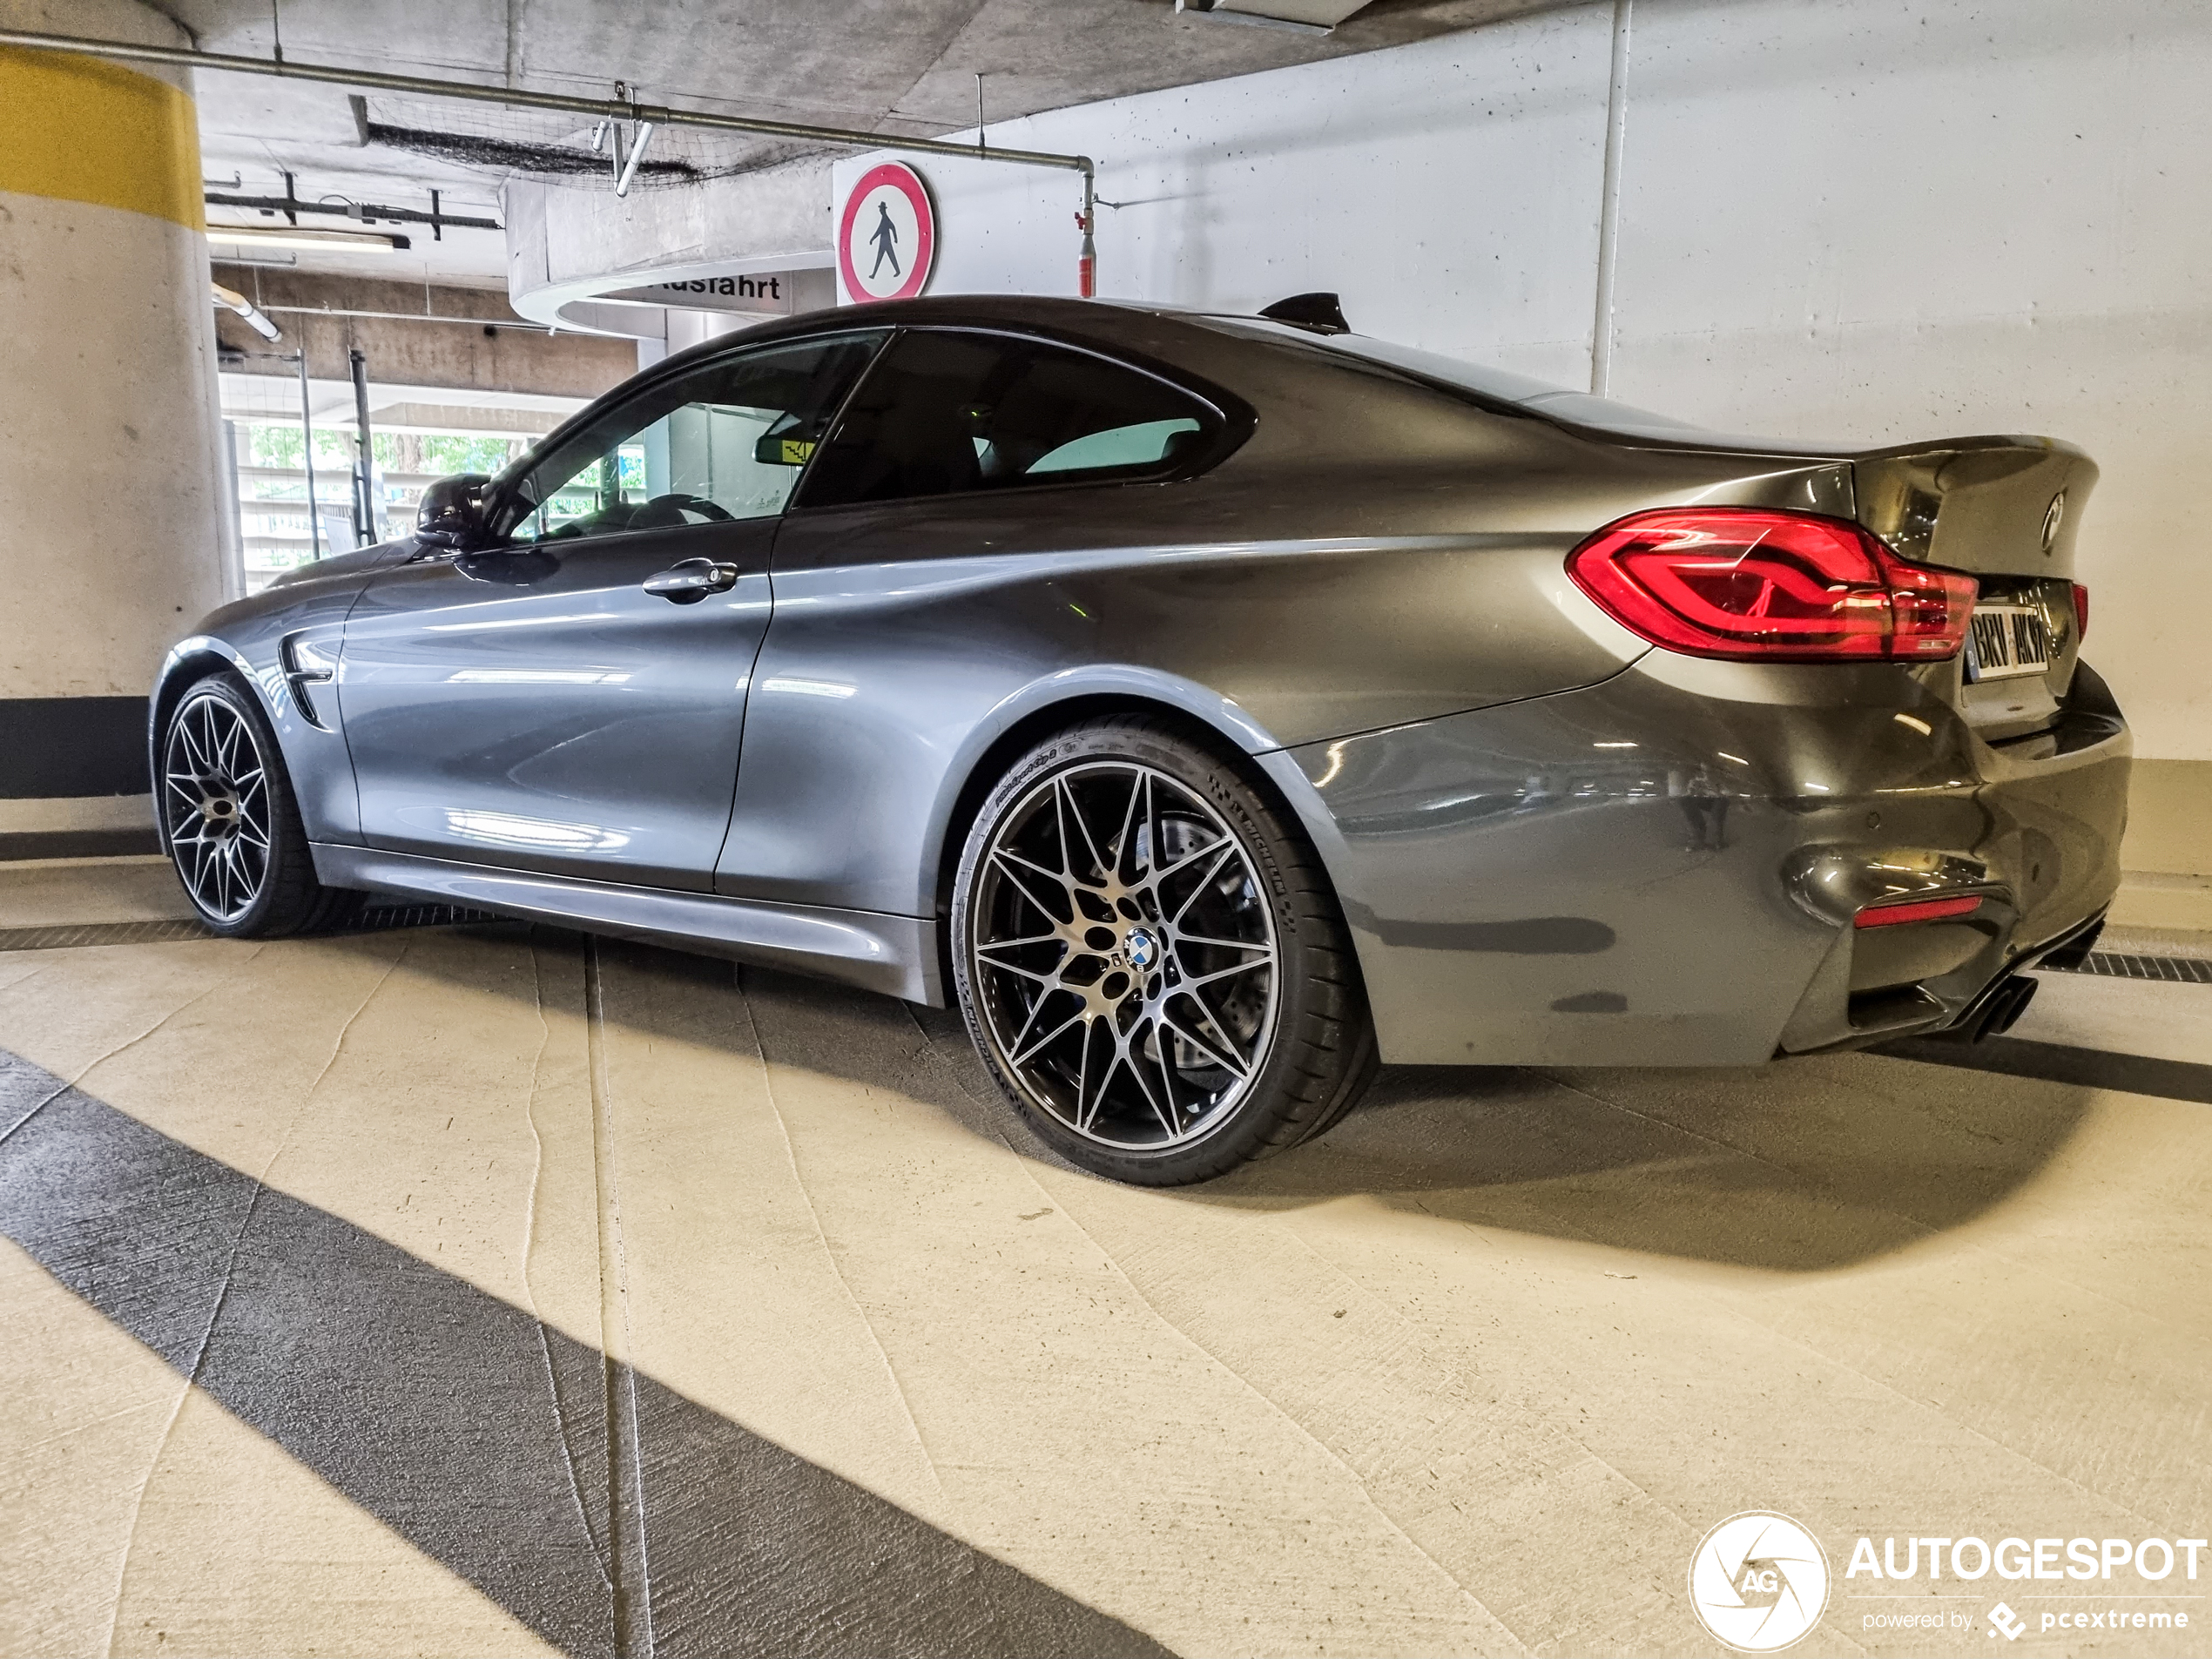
99	933
2175	970
414	915
379	919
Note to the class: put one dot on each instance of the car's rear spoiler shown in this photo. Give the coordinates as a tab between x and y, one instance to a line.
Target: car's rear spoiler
1996	506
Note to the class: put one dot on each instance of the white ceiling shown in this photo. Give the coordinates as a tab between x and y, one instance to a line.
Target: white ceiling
899	67
252	129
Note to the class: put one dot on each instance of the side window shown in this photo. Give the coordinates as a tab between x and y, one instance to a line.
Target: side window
726	440
943	412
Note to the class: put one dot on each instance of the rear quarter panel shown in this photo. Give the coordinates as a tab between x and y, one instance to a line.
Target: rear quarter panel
1376	553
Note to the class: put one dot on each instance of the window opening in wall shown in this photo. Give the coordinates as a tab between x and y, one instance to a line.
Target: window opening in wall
274	533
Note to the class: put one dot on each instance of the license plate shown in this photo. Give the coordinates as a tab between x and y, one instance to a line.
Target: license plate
2007	641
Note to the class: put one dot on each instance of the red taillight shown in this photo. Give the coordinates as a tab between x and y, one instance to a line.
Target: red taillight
1889	915
1750	584
2081	613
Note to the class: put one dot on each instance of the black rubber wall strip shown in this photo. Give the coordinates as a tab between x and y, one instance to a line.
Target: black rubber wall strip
2132	1074
17	845
482	1436
52	747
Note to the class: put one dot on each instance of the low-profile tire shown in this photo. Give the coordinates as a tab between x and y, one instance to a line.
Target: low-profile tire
1365	1062
229	819
1151	960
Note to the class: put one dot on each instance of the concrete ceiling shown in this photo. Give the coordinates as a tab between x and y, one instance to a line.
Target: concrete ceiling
904	68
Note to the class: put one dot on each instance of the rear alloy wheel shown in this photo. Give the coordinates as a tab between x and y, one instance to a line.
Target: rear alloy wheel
227	814
1151	961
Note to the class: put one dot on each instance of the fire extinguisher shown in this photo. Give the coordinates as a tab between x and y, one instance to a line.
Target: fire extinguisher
1086	261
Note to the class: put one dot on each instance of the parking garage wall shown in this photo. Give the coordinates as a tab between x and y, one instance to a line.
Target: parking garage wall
1870	220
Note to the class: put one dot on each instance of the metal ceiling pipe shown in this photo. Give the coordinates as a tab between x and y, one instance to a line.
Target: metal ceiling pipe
642	136
366	527
291	207
643	117
601	109
308	457
231	300
504	324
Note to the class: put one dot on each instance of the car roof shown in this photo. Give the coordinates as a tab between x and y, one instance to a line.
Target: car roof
1153	335
1106	322
1194	346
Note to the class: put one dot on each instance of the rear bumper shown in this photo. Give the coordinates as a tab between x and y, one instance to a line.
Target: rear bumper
1663	869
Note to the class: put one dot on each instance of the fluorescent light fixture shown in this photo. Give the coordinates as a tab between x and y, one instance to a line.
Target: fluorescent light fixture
294	236
1305	16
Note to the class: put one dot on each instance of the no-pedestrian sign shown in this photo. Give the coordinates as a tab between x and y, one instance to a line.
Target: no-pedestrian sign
887	235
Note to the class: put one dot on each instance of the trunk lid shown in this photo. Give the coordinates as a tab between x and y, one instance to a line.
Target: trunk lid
2005	509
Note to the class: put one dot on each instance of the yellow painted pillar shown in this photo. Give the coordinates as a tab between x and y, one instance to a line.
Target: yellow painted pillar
111	543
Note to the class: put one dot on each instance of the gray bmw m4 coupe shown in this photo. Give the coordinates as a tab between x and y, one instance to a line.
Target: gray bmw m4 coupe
1211	707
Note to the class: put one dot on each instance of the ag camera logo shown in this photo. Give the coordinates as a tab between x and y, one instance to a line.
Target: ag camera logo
1759	1581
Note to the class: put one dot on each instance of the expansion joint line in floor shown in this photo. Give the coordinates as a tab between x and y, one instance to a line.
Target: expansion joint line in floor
628	1570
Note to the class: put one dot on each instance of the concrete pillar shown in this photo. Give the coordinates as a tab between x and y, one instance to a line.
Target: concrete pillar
688	328
110	538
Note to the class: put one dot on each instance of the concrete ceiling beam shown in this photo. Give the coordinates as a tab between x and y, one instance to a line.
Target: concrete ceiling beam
455	340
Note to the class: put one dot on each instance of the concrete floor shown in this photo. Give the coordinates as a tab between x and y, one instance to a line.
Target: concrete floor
1473	1374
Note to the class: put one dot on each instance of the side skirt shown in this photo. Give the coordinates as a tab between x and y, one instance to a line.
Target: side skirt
897	955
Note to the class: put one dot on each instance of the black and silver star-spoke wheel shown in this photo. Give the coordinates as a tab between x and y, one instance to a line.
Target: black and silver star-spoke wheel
1150	960
215	791
1125	961
229	820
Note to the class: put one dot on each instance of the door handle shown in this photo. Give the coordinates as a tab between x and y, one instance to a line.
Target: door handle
688	581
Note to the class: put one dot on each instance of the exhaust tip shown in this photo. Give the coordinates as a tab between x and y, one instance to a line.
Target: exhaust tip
2005	1006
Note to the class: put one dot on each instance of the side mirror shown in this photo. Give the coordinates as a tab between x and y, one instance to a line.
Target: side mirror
452	513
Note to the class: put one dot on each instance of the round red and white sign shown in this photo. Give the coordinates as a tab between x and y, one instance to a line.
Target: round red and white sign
886	236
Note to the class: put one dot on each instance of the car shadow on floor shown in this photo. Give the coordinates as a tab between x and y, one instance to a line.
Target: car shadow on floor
1799	1166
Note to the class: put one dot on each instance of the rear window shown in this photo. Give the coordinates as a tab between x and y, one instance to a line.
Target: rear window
944	412
1558	402
1490	385
1499	384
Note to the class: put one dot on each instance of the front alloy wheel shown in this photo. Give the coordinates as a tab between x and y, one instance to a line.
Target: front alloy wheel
232	826
215	794
1149	961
